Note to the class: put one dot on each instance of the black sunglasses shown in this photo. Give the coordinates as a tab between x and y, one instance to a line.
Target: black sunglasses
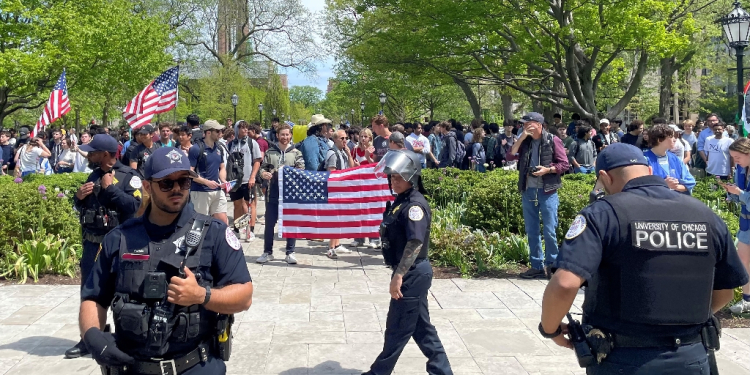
168	185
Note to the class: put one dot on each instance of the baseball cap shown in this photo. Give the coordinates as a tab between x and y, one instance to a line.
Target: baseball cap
165	161
396	137
675	128
619	155
101	142
604	121
146	129
212	124
532	116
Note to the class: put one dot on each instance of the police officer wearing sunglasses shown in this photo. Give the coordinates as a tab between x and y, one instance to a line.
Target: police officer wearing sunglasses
110	196
173	279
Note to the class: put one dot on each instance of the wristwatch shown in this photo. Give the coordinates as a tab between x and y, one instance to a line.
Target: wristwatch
549	335
208	296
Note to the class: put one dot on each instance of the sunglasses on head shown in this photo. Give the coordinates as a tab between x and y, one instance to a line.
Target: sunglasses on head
168	185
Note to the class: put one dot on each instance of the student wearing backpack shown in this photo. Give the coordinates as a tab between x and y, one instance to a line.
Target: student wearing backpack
244	152
478	156
207	159
453	150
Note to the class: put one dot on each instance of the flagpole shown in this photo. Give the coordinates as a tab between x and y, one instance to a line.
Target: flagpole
177	97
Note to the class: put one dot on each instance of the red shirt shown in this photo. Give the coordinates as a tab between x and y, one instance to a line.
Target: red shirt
263	145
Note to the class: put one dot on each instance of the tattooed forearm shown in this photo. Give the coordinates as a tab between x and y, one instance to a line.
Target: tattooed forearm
411	251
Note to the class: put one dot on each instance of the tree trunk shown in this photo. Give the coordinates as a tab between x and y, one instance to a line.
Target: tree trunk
507	102
665	86
470	97
676	109
77	112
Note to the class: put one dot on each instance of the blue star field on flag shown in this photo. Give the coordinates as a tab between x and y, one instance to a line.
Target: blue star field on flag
301	186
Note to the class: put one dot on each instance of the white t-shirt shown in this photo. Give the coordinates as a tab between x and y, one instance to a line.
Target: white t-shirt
81	164
679	149
29	161
419	141
717	151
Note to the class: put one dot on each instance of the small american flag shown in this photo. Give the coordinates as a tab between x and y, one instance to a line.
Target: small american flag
158	97
56	107
341	204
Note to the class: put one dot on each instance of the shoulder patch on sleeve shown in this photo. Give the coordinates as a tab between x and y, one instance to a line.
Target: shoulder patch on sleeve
416	213
232	240
576	228
135	182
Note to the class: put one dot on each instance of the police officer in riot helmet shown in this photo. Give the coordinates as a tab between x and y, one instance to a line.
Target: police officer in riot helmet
110	196
657	265
172	277
405	234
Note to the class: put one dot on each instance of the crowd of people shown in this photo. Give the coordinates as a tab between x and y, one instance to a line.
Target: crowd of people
238	161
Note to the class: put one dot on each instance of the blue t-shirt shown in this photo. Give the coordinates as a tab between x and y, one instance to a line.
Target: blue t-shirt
209	165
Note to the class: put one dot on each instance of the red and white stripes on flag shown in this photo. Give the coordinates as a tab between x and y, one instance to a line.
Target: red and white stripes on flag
57	105
343	204
158	97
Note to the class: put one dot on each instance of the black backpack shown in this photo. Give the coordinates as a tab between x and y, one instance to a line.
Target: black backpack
235	165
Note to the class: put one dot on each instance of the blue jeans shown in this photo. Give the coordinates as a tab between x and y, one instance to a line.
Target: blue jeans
535	201
272	217
584	170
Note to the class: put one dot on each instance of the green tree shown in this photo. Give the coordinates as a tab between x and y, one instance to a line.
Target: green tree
277	98
110	49
308	96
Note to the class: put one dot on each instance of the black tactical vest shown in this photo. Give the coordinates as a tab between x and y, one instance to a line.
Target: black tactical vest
551	181
662	275
147	325
393	227
97	218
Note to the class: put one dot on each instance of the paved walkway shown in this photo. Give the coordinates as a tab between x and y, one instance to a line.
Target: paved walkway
327	317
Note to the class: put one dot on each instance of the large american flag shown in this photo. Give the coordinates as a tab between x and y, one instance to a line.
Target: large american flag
56	107
341	204
158	97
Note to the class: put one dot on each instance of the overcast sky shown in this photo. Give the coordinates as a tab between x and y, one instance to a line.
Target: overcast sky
324	68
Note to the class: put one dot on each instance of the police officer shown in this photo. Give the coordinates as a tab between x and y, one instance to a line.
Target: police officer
144	149
110	196
172	277
658	264
405	233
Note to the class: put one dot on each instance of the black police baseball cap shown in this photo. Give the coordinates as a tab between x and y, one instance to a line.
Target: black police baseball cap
146	129
532	116
619	155
101	142
165	161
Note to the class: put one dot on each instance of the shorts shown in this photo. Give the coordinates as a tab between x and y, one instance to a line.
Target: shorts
209	202
743	236
241	193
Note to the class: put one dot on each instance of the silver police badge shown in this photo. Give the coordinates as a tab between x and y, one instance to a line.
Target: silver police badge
174	156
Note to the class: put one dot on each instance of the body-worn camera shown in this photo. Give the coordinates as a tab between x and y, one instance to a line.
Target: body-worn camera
155	286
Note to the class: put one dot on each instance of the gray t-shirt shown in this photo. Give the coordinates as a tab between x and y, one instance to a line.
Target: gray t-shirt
337	159
583	151
533	182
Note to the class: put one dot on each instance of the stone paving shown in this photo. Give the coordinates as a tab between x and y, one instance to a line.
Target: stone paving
325	316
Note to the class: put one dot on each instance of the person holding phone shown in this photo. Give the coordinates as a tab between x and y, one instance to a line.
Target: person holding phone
665	164
740	151
29	155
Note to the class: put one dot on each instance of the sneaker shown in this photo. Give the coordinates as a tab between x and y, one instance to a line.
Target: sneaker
374	244
533	273
342	249
243	233
290	258
264	258
250	236
262	198
332	254
740	307
357	244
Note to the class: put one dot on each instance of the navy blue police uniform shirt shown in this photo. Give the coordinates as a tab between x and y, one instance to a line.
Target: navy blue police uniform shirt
209	165
595	236
221	250
411	222
123	196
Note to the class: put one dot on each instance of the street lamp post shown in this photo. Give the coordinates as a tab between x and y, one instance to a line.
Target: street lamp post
235	100
382	98
352	116
736	25
260	112
274	112
362	112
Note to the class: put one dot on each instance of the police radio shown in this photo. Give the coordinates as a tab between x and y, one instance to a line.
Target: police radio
192	240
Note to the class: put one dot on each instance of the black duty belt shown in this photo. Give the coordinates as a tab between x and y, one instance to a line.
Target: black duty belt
88	236
625	341
173	366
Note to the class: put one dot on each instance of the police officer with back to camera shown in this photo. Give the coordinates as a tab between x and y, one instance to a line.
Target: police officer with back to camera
405	234
657	265
172	277
110	196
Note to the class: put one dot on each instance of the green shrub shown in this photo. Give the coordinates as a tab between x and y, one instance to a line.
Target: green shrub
43	253
448	185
